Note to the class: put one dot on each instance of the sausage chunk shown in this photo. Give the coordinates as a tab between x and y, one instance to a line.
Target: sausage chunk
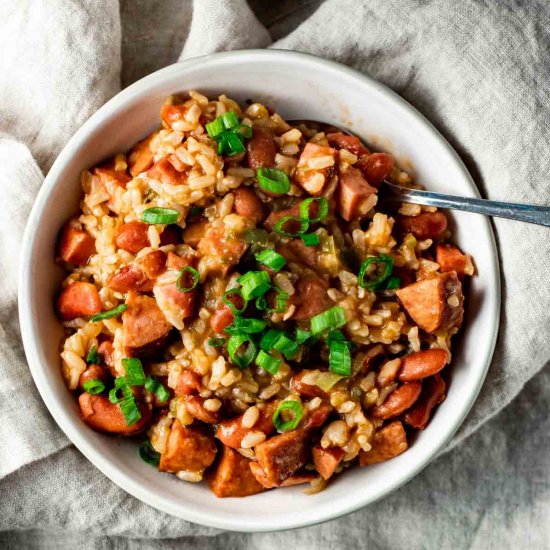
422	364
132	236
78	299
140	157
194	232
76	245
398	401
315	168
143	322
223	249
450	258
103	416
172	113
376	167
433	393
428	225
355	197
435	303
221	319
233	477
111	179
261	149
164	171
248	204
317	417
352	144
187	449
231	432
282	455
326	460
311	298
188	383
388	442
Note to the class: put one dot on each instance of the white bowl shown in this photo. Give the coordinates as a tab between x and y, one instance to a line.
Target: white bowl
299	86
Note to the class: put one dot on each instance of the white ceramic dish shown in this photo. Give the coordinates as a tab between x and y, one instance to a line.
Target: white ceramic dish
298	86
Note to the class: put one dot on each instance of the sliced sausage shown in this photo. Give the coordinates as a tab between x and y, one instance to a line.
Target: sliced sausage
188	383
352	144
140	157
317	417
312	172
103	416
326	460
422	364
233	477
164	171
143	322
435	303
376	167
231	432
111	179
261	149
355	197
398	401
224	250
93	372
132	236
428	225
248	204
311	298
282	455
387	442
450	258
296	251
79	299
433	393
195	407
75	245
188	449
296	479
221	319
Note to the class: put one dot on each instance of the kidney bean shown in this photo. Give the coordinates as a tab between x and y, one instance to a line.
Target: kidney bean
398	401
422	364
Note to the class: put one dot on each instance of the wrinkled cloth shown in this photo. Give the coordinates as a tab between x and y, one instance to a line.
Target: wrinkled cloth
478	70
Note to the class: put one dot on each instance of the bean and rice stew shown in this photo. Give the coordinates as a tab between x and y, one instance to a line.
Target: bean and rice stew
239	302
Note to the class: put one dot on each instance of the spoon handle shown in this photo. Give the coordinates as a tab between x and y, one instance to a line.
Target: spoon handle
522	212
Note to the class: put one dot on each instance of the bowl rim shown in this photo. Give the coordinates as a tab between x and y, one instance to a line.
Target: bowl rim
34	356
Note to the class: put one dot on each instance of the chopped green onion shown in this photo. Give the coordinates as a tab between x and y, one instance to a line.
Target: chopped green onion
268	339
130	410
310	239
133	371
322	212
384	268
279	226
214	128
330	319
263	305
284	426
216	342
340	357
246	325
154	386
93	357
148	454
271	259
194	274
162	393
151	384
120	386
230	144
234	309
115	312
241	358
302	336
93	386
268	362
254	284
278	340
393	282
273	180
159	215
229	119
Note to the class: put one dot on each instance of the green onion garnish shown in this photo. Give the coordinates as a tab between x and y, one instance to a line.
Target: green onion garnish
268	362
279	227
330	319
148	454
284	426
216	342
93	386
130	410
278	340
162	393
269	338
246	326
322	212
93	357
154	386
254	284
273	180
310	239
302	336
234	309
133	371
115	312
121	386
271	259
151	384
241	358
263	305
393	282
229	119
384	266
215	128
193	284
230	144
340	357
159	215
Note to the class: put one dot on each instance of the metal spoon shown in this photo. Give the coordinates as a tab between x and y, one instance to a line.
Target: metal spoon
523	212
